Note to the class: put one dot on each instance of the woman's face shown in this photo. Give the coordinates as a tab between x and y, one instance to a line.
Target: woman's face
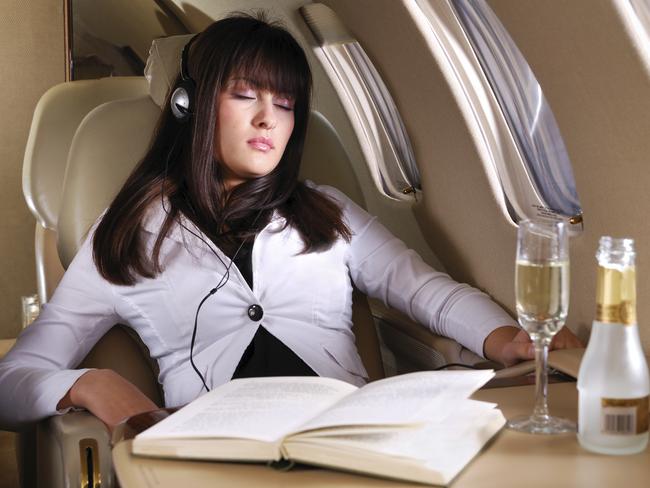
253	128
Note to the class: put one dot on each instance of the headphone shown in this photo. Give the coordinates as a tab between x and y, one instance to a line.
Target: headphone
182	99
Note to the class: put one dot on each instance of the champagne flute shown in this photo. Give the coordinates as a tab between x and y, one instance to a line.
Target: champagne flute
542	289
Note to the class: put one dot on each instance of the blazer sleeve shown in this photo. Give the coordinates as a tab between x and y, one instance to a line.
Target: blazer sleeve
38	371
383	267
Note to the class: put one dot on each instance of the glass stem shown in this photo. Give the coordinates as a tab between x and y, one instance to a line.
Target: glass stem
540	413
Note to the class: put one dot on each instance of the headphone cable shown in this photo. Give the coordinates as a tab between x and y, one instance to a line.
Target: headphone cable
222	281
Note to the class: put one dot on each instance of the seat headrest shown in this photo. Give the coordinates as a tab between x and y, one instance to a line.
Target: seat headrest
56	118
163	65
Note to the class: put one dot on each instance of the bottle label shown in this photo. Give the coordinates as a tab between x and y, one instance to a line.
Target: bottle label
624	416
616	295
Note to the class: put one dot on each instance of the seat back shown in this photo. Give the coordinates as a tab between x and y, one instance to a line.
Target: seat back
56	119
108	144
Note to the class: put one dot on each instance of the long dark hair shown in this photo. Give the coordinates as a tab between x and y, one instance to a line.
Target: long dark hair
179	168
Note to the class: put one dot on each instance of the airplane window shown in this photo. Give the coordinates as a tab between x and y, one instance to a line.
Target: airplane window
368	104
522	144
641	9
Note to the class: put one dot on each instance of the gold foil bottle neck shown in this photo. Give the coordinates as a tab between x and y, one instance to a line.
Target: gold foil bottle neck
616	290
616	295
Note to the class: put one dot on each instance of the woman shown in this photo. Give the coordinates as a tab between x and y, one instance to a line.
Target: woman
223	262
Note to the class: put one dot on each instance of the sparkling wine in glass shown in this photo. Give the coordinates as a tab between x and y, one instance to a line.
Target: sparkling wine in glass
542	289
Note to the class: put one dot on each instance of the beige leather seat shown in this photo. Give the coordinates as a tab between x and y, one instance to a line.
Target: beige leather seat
106	145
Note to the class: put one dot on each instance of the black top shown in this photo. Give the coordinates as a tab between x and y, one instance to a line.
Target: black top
266	355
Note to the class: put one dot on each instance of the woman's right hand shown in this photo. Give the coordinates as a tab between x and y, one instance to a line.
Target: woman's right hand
108	396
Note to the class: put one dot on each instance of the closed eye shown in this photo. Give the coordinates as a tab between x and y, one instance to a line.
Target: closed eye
242	96
284	103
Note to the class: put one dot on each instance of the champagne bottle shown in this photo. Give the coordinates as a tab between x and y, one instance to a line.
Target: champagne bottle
613	383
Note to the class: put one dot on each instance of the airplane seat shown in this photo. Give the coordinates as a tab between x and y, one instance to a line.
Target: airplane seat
107	144
56	118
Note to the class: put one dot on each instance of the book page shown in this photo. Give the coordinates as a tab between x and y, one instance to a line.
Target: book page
264	409
402	400
425	441
433	452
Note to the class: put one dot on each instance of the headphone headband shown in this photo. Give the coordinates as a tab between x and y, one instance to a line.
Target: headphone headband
185	54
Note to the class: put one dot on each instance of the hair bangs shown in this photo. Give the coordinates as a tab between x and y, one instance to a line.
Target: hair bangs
272	60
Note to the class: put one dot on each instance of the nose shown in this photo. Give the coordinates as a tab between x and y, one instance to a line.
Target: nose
265	118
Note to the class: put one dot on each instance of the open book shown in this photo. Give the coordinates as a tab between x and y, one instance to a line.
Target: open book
419	427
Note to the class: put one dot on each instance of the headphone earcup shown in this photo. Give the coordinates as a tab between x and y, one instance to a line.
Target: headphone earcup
182	100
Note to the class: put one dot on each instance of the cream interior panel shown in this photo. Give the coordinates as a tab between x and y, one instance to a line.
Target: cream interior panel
397	216
328	166
599	89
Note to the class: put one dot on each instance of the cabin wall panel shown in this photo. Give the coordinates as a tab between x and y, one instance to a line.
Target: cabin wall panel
599	90
458	216
32	53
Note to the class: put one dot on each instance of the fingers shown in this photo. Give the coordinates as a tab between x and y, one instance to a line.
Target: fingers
520	348
509	345
565	339
524	350
517	351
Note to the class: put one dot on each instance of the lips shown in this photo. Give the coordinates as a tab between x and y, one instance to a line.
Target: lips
263	144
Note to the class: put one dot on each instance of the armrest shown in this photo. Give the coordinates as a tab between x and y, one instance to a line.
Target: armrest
447	350
417	344
74	450
75	447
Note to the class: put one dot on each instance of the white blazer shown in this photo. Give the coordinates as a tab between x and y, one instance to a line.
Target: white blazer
306	301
